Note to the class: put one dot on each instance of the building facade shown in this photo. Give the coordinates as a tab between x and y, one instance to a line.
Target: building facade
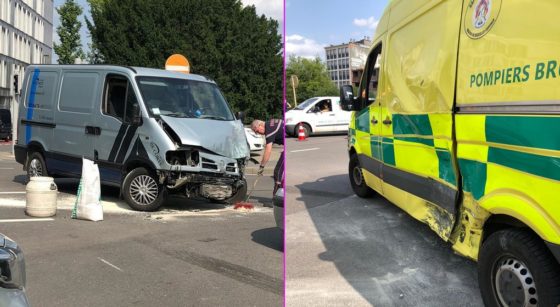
26	37
345	61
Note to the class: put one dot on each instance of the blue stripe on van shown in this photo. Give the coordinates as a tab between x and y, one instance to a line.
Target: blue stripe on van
31	104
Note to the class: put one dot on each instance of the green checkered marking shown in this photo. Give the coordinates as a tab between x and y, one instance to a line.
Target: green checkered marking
544	166
475	179
529	131
362	120
446	169
388	150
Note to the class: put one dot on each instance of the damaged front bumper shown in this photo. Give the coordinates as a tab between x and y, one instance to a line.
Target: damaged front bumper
200	174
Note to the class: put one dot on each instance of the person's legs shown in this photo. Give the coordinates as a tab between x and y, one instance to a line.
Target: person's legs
279	172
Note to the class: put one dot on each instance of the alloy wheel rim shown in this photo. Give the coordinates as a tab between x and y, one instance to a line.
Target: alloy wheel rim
35	168
144	190
514	284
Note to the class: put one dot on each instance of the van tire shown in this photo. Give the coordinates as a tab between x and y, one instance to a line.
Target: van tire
357	180
524	260
36	165
141	190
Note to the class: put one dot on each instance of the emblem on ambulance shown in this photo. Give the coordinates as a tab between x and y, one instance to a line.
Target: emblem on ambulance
480	17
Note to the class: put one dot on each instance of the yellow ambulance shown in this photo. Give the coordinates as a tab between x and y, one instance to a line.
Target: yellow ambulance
457	122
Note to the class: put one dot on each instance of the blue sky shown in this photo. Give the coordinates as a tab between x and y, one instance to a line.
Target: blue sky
270	8
311	25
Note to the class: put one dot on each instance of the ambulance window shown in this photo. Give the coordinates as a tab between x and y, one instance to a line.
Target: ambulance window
374	63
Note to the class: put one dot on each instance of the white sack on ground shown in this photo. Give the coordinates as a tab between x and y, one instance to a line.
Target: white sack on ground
88	204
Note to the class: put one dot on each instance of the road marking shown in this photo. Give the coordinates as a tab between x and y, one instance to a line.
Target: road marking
7	193
26	220
109	264
309	149
6	168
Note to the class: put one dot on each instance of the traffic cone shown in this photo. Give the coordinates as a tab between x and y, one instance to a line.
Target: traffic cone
301	133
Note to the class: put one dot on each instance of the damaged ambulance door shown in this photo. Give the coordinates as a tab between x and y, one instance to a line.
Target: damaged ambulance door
368	123
417	111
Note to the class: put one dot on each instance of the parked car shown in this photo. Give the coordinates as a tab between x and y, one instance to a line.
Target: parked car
152	132
12	274
317	115
5	125
256	141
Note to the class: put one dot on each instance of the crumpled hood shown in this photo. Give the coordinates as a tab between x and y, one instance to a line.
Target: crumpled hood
226	138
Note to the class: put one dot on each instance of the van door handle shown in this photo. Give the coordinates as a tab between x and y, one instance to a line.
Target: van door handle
374	120
93	130
387	121
332	115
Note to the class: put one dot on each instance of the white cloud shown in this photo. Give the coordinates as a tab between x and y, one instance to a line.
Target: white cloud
270	8
370	23
304	47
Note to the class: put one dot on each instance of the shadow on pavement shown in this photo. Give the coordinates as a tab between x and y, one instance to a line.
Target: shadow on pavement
388	257
270	237
21	179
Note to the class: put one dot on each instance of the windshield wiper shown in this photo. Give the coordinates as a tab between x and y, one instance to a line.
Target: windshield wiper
178	115
212	117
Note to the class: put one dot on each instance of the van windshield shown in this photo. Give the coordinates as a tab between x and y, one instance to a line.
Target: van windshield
183	98
306	103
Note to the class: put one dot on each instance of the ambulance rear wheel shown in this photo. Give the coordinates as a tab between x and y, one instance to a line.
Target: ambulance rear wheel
357	180
142	191
515	268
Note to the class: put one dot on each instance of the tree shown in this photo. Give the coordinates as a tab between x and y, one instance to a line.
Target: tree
313	79
222	39
70	47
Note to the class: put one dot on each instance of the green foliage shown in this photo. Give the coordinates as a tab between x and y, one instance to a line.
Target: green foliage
222	39
313	79
70	47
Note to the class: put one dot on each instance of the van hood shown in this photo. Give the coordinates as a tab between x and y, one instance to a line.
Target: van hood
226	138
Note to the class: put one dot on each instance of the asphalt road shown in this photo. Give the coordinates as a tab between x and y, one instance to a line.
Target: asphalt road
189	253
345	251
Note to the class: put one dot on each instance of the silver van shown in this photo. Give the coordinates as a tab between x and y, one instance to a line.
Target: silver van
152	132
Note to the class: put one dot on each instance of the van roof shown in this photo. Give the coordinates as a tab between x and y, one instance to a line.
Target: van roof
137	71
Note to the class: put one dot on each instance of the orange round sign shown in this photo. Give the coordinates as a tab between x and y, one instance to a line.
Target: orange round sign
178	62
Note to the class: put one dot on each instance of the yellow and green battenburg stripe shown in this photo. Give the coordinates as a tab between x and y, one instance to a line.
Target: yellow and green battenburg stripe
523	136
415	129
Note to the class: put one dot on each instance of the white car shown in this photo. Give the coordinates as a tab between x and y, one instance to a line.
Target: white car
318	115
256	141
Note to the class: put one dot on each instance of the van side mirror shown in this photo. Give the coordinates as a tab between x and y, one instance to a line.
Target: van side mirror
347	100
240	116
136	115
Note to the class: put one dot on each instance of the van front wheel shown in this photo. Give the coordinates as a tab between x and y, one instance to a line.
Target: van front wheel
142	191
357	180
515	268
